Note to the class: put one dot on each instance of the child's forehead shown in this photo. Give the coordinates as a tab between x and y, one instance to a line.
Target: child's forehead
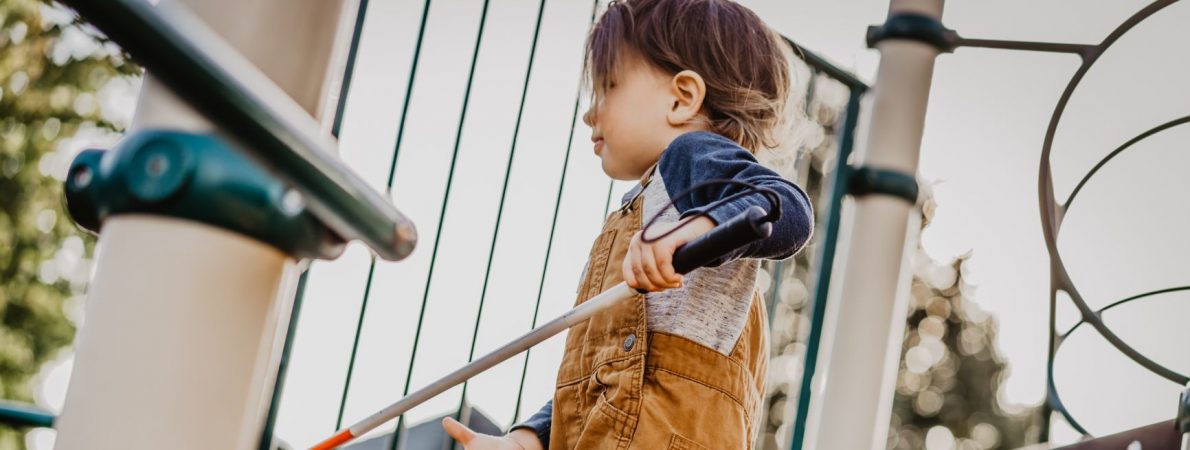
629	63
621	62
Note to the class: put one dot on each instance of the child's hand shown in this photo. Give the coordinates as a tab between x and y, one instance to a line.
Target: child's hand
520	439
650	266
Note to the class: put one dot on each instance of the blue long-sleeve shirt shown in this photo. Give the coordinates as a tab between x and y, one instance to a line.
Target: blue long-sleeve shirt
699	156
693	158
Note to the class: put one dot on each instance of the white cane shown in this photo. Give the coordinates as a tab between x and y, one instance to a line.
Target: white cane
749	226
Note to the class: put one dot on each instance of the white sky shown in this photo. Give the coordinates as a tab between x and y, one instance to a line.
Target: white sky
987	118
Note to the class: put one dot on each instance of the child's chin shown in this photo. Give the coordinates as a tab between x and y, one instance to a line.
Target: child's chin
617	173
607	167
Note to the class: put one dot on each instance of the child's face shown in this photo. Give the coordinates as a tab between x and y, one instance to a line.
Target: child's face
629	120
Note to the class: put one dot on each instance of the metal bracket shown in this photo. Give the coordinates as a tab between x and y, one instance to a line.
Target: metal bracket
197	177
914	27
870	180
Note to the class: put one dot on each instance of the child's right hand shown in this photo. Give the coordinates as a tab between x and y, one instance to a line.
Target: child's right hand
649	266
517	440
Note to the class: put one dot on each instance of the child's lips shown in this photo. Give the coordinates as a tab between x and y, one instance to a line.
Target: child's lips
598	144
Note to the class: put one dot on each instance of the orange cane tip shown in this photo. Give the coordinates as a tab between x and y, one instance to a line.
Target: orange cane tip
334	441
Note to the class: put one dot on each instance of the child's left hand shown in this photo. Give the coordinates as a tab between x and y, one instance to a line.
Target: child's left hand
650	266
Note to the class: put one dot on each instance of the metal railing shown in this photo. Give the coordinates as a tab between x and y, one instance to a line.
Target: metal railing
827	200
211	76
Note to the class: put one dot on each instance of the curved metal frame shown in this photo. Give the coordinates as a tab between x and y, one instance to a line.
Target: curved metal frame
1052	388
1053	213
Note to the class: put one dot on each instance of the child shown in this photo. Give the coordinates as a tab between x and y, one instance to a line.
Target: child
684	91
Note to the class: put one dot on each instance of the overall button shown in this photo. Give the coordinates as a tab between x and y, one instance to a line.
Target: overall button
629	341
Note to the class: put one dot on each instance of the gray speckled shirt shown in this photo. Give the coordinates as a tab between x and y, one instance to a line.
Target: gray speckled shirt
712	305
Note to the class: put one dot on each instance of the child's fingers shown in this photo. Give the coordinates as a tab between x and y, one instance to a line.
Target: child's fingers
458	431
638	270
649	264
655	267
629	277
663	255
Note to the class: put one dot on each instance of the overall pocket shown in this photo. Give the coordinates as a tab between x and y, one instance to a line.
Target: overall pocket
677	442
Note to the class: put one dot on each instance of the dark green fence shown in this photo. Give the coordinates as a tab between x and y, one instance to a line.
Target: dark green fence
821	137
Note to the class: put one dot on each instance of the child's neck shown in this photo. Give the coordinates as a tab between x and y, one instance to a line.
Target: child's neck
644	177
672	134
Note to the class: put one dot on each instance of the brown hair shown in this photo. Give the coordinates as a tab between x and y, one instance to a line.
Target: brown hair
739	57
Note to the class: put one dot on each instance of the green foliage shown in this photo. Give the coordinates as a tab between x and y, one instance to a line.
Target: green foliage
950	371
53	70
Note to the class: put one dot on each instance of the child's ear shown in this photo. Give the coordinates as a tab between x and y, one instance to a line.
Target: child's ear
688	91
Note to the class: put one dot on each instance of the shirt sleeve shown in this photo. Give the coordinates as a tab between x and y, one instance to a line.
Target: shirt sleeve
699	156
540	423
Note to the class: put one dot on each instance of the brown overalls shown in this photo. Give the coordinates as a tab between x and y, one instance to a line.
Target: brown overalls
623	387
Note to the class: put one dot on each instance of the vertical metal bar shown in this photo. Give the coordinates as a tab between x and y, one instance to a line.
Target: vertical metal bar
359	325
608	202
866	316
349	72
421	33
516	130
344	88
812	89
1182	420
826	257
340	106
442	217
1047	408
388	191
516	415
266	437
778	268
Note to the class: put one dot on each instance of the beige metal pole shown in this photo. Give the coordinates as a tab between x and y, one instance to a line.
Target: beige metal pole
185	321
865	317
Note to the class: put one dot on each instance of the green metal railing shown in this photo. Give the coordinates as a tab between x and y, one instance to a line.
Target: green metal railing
211	76
839	176
816	310
462	410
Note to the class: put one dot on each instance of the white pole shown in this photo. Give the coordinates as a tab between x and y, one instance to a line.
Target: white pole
175	352
184	321
865	317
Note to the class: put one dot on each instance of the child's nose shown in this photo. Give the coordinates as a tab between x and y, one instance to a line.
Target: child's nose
589	117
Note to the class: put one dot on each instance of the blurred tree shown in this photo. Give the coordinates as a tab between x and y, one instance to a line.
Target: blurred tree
950	373
56	83
807	156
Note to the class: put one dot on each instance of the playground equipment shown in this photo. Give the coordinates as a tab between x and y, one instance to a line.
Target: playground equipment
217	288
227	169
